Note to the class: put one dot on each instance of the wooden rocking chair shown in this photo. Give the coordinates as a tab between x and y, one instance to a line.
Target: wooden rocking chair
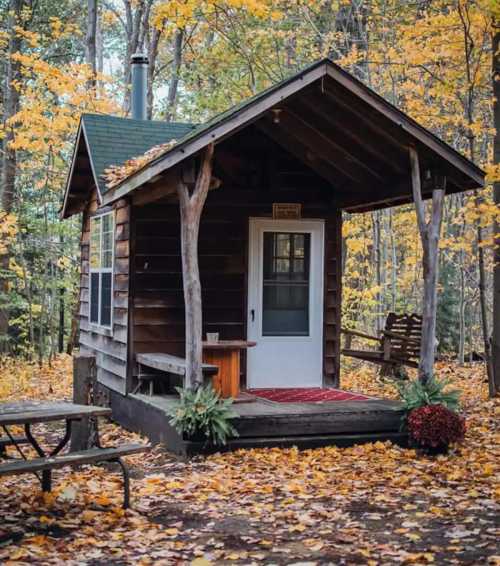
399	343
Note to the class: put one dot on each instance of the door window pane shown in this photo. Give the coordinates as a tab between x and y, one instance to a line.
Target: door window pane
286	284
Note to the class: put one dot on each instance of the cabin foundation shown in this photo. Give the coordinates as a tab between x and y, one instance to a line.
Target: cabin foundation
267	424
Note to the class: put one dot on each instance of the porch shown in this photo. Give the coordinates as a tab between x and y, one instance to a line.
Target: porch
264	423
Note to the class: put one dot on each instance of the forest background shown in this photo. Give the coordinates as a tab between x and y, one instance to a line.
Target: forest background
431	58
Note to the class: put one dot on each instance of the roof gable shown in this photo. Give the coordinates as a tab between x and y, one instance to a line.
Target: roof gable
349	134
103	141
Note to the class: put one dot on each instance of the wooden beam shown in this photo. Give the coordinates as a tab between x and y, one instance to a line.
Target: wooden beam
318	104
407	124
370	120
165	186
327	140
376	204
299	132
304	154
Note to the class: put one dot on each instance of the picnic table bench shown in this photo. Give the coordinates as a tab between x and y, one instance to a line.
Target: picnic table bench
166	363
6	442
29	413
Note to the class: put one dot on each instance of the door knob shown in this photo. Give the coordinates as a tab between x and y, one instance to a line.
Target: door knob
252	314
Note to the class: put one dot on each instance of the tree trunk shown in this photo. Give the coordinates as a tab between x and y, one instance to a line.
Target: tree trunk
429	234
495	377
91	40
393	263
136	25
378	263
99	46
191	206
60	335
9	157
461	322
154	40
174	79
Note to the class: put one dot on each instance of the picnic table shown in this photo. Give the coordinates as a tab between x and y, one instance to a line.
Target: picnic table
28	413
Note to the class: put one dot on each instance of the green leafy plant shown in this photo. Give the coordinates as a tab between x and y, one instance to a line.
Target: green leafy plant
202	412
415	394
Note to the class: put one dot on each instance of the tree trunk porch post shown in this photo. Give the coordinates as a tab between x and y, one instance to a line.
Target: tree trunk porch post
191	207
429	234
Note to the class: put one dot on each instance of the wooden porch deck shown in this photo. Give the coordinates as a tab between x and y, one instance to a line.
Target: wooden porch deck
264	423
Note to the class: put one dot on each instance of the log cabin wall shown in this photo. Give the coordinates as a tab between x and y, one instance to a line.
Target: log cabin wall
249	189
110	347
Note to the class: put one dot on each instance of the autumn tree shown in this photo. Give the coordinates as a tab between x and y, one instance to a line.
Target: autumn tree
17	20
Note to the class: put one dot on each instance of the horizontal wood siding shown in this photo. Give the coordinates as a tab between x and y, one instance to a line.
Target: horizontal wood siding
157	295
111	351
333	297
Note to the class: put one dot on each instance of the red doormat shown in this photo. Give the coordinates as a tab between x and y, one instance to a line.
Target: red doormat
307	395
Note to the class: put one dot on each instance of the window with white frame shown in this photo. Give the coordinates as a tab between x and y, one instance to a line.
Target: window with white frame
101	269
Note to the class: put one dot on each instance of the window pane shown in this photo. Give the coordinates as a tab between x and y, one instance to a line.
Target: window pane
107	241
95	242
106	299
286	310
107	223
298	267
282	266
107	259
282	245
94	298
286	284
299	240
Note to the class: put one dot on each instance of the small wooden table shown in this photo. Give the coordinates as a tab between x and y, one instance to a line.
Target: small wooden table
225	354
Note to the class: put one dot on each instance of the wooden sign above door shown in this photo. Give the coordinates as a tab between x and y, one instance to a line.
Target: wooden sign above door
287	211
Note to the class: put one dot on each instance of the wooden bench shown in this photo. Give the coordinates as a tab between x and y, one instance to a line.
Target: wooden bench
166	363
399	342
91	456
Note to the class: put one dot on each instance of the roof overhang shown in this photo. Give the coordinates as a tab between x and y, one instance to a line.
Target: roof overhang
324	109
325	74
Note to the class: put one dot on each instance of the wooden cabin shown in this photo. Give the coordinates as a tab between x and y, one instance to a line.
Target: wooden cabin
287	163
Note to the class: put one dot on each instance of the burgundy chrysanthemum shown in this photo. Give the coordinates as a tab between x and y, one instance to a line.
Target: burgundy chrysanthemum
435	425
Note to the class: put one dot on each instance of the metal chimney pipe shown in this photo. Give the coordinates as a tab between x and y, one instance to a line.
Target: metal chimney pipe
139	86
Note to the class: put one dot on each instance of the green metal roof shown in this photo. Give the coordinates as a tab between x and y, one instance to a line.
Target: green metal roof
112	140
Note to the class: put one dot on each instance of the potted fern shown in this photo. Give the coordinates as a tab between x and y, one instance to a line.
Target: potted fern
201	415
431	414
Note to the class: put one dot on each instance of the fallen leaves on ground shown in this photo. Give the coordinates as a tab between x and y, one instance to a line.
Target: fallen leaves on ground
369	504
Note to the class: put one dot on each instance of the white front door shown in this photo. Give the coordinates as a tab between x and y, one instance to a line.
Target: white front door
285	303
